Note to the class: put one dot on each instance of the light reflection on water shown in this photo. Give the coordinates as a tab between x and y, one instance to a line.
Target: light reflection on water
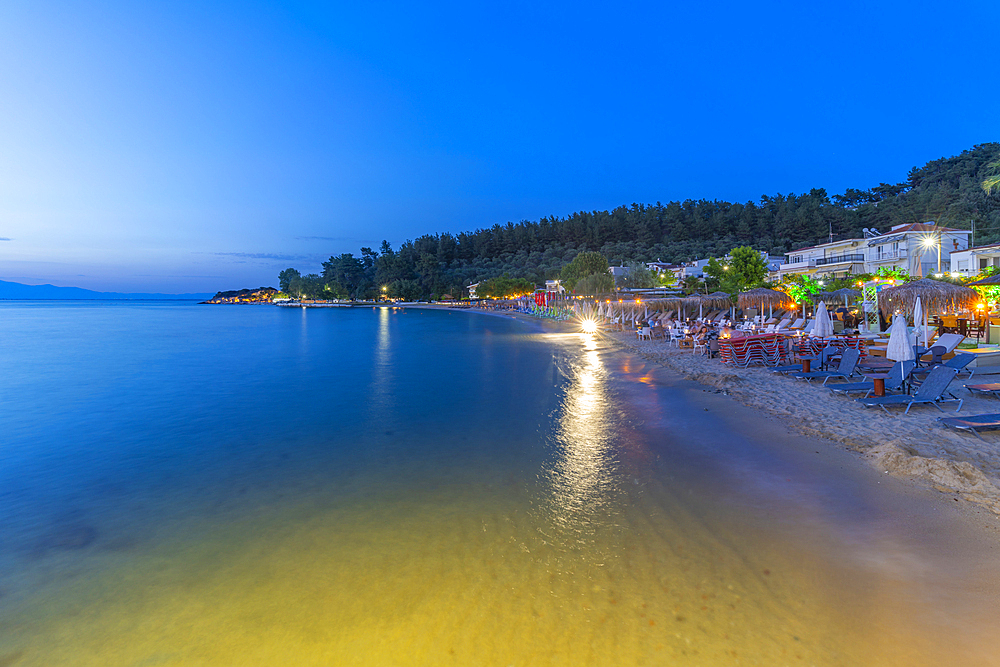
580	482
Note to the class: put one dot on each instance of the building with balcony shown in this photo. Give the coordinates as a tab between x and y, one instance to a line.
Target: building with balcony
916	248
837	259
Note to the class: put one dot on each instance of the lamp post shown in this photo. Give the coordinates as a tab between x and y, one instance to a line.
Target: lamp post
931	241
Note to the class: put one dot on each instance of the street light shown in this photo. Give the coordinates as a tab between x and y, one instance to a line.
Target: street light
930	242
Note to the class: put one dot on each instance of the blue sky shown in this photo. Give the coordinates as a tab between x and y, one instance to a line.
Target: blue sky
171	146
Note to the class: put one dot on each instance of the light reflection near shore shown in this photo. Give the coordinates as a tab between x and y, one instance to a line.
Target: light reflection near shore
580	482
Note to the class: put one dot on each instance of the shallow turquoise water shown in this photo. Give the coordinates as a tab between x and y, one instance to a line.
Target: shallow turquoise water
184	484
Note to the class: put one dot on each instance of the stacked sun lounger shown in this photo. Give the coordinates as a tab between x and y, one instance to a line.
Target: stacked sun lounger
767	349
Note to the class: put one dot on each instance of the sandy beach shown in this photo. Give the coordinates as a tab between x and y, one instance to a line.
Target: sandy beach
915	446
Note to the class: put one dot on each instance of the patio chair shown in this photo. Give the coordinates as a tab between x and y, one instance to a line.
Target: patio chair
645	333
848	367
898	375
974	423
931	391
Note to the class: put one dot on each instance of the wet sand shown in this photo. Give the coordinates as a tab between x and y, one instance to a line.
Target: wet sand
915	446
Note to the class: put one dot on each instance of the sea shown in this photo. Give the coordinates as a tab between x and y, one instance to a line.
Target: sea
185	484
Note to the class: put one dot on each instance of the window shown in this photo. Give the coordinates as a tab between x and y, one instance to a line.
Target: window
983	263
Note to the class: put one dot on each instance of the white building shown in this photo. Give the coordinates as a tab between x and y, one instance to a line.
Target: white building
827	260
972	261
472	290
913	247
554	286
919	248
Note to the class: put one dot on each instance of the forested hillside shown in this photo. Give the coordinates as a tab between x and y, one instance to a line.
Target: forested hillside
947	190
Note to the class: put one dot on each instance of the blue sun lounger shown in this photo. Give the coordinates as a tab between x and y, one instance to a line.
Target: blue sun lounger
898	375
974	423
847	368
931	391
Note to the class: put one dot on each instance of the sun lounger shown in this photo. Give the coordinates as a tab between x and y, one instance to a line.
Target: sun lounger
798	324
974	423
992	389
898	375
809	326
822	358
848	366
949	342
959	362
931	391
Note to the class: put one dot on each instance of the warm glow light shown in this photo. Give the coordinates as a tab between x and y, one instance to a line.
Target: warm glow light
589	326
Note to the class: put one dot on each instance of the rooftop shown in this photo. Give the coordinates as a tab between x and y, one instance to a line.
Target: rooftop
826	245
988	246
923	227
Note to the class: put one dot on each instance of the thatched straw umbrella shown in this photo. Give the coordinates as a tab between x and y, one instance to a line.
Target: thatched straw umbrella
935	295
846	293
984	282
761	296
714	300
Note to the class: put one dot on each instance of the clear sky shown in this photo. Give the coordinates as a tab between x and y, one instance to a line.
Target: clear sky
174	146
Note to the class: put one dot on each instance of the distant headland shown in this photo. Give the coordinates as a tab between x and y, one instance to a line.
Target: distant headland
19	291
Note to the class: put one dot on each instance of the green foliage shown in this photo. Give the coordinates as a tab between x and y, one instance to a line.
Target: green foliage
949	191
693	285
503	287
801	288
638	276
286	277
992	180
306	287
596	283
666	279
583	265
747	267
407	290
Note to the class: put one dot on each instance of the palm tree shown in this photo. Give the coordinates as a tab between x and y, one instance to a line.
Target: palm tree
992	182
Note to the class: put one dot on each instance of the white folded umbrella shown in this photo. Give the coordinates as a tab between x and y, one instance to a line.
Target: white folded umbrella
900	348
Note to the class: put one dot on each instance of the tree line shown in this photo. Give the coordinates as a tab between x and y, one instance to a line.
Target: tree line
949	190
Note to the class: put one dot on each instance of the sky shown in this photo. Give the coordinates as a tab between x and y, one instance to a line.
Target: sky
195	147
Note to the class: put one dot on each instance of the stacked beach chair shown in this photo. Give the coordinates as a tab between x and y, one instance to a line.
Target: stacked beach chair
768	350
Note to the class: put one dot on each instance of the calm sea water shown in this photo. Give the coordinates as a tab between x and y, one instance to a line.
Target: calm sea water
251	485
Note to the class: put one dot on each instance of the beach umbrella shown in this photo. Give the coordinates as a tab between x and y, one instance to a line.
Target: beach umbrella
899	348
935	295
846	293
761	296
990	280
823	327
920	319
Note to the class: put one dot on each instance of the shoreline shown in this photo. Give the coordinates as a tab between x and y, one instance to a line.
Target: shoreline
915	447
